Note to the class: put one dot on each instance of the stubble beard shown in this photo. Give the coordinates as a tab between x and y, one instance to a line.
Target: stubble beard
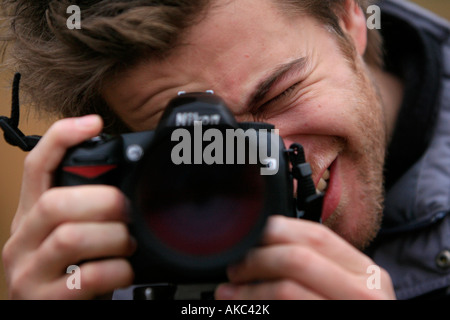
360	228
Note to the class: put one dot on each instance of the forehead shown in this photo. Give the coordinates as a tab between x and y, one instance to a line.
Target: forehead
234	35
237	19
234	46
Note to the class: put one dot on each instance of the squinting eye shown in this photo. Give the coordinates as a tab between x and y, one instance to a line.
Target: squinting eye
287	91
282	95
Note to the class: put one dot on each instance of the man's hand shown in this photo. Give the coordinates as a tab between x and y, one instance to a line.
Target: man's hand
58	227
303	260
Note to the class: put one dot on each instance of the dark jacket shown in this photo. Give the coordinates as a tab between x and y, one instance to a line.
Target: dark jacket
414	243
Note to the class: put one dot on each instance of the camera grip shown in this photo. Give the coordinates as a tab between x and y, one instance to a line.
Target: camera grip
95	161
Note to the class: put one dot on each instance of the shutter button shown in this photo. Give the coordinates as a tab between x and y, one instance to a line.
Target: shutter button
443	259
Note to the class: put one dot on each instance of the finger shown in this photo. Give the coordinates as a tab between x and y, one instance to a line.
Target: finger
300	264
72	243
44	159
96	278
274	290
283	230
60	205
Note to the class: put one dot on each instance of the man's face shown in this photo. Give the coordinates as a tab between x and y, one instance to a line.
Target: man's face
284	70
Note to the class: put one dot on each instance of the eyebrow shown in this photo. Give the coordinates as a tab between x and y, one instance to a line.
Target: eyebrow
278	74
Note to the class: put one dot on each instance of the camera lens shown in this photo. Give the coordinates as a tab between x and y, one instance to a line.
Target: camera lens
198	209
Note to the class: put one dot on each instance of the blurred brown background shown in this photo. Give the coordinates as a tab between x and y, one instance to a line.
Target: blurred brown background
11	159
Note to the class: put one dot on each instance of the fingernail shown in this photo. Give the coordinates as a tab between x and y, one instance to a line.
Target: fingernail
226	291
87	121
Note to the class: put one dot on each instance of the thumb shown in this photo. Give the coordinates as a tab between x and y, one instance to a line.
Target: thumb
45	158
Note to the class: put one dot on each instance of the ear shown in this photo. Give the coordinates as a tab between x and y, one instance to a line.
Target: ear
353	23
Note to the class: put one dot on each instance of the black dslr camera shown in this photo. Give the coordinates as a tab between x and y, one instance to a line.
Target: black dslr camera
200	197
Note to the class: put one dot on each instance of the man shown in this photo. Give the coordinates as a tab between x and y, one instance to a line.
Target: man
311	68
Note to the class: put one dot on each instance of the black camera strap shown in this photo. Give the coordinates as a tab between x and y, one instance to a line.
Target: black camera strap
10	126
308	201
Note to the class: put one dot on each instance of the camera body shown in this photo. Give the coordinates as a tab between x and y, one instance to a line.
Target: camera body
194	209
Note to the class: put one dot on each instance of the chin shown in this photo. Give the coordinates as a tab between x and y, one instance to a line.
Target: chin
358	221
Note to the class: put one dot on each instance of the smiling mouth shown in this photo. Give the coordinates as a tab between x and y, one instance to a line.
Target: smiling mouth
322	185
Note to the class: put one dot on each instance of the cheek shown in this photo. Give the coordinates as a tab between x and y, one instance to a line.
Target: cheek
337	104
318	112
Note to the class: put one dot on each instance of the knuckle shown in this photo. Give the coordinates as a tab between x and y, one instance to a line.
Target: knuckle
113	202
8	254
284	290
319	236
114	197
298	258
20	281
50	202
30	163
66	237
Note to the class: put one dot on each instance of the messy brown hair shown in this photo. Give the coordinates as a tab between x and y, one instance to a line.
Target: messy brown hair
63	70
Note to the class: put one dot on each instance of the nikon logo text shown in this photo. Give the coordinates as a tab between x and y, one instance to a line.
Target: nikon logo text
188	119
241	147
